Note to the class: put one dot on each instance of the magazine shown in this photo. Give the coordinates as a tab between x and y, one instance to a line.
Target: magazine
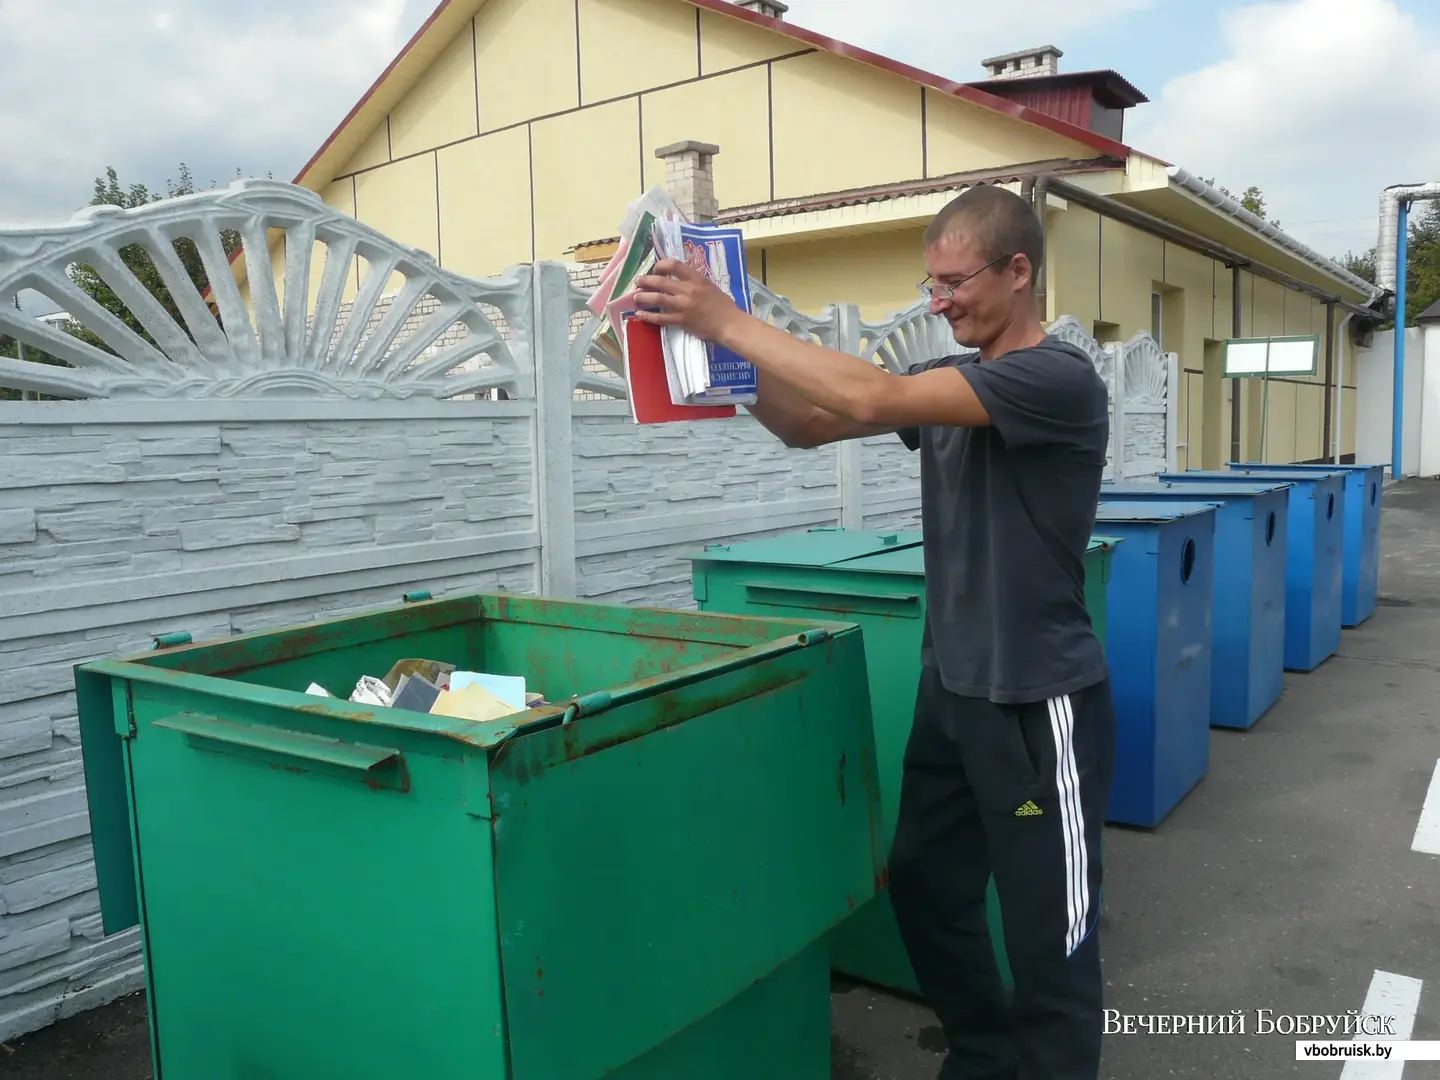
702	380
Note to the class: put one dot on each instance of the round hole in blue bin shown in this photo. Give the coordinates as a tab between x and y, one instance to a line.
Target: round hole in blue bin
1270	528
1374	491
1330	508
1187	560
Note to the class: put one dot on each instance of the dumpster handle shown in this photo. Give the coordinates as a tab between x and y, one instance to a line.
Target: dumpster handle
375	766
164	641
760	592
602	700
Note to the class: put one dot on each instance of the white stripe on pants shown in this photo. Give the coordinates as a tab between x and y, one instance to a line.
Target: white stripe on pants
1072	822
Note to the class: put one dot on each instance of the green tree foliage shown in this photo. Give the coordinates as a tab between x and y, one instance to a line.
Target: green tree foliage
1253	200
1422	281
1422	262
109	191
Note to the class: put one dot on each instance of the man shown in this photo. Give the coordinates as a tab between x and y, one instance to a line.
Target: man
1009	761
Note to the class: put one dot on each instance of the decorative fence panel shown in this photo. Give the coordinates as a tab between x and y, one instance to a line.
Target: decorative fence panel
364	423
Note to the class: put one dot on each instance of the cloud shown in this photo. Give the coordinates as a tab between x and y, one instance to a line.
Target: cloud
143	86
951	37
1320	103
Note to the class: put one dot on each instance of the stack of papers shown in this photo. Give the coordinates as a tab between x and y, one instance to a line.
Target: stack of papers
671	374
437	688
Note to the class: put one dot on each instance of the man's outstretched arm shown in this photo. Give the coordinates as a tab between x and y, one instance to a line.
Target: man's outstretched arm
849	388
799	423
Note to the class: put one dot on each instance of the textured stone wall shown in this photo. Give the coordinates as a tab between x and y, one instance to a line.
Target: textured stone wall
891	473
646	496
113	532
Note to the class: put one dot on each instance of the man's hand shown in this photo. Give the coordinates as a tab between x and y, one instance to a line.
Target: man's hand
687	299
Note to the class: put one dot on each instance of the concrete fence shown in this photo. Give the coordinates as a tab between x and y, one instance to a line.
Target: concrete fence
312	453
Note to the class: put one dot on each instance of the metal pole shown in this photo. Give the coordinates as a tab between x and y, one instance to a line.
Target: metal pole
1265	402
1235	384
1037	200
1397	421
1329	371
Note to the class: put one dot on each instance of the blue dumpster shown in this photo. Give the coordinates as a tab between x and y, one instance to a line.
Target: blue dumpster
1314	541
1248	645
1364	487
1161	580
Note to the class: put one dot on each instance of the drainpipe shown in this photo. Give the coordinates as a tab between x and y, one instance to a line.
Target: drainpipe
1037	199
1397	407
1329	369
1235	384
1342	336
1390	275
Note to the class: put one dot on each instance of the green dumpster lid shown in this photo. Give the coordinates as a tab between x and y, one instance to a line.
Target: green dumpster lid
906	560
815	547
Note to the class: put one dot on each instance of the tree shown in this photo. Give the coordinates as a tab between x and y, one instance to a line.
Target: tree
108	191
1253	200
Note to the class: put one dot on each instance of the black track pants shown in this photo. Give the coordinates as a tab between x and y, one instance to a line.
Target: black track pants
1020	792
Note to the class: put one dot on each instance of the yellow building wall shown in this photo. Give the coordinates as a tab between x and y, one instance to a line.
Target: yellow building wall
482	181
1103	273
727	43
841	125
586	168
599	86
443	106
878	271
961	136
741	130
526	60
628	46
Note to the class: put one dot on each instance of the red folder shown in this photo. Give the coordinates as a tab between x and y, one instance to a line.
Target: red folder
649	389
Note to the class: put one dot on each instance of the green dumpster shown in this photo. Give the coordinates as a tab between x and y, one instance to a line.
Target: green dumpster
1097	581
876	580
634	883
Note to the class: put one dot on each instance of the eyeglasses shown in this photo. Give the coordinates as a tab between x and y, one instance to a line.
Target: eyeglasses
935	291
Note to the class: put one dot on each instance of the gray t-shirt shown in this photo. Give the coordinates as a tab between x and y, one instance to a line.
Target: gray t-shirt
1007	512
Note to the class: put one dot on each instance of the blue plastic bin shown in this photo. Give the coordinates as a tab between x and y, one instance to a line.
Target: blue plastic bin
1162	577
1364	490
1248	642
1313	566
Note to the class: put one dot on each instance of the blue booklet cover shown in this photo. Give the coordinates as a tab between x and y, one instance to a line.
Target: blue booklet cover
719	253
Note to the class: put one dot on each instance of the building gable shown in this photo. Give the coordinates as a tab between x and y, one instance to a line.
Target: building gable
526	131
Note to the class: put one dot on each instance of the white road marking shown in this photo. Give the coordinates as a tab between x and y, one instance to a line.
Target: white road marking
1390	995
1427	832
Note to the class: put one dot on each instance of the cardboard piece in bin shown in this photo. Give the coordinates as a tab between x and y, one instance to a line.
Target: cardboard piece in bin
473	702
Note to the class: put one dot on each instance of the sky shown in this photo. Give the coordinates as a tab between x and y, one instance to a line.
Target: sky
1320	103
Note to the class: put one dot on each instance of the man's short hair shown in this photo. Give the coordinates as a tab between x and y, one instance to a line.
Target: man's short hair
1001	222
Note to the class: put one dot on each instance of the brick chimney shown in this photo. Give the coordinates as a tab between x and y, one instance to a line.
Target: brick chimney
1025	64
690	178
772	8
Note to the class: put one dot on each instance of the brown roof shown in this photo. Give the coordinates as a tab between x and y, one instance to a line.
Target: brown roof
883	193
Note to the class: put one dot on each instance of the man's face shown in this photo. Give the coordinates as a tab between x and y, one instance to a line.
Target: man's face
986	297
